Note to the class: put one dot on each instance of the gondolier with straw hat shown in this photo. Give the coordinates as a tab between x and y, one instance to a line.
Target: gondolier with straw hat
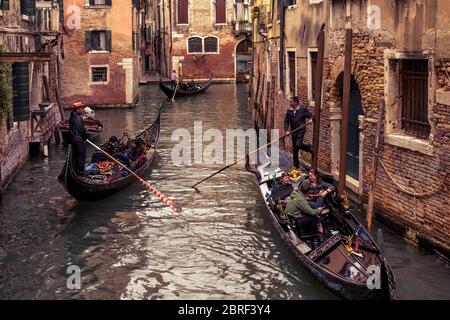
78	136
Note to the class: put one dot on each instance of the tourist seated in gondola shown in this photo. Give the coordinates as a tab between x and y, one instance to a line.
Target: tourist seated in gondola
316	189
305	217
124	141
282	190
191	85
135	153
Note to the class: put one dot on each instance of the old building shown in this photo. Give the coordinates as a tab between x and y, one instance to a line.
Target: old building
104	51
400	57
29	50
203	39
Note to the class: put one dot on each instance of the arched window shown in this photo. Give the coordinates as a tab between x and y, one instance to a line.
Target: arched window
195	45
211	44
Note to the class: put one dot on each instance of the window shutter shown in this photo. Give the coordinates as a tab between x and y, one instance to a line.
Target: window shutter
92	2
61	11
220	11
88	36
4	5
183	15
108	2
28	7
108	40
21	91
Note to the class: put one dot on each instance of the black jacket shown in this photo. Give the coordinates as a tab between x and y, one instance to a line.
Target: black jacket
77	131
295	119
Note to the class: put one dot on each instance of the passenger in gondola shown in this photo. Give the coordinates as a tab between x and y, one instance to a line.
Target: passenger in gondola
135	153
78	136
191	86
282	190
316	189
124	141
305	217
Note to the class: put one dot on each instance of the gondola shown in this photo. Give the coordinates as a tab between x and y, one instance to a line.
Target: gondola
93	129
166	87
332	257
92	188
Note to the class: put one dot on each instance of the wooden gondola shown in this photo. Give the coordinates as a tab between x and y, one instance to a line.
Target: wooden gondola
332	259
166	87
93	129
92	188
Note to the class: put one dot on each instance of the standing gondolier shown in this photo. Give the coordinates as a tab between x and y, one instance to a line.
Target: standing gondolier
174	79
297	116
78	136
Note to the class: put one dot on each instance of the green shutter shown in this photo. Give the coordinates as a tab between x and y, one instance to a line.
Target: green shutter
4	5
108	41
88	39
21	91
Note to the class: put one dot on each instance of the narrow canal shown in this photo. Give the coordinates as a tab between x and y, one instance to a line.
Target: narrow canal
129	246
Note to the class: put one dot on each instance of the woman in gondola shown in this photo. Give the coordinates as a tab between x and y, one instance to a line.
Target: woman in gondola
316	189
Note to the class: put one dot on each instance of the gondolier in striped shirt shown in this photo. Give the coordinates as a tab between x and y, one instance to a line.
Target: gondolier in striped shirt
78	136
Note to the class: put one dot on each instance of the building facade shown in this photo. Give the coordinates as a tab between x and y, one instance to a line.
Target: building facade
29	50
104	51
204	38
400	57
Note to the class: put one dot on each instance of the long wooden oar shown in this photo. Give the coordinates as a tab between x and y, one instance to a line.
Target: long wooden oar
251	153
175	92
162	197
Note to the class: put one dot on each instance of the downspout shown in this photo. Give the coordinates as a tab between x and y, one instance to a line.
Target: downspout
282	7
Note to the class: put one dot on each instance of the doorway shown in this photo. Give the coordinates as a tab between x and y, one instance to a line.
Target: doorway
243	60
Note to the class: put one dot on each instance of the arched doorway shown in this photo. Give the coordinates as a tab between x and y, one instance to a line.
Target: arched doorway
355	111
243	60
353	131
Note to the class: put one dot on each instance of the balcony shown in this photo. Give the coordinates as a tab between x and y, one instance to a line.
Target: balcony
242	27
43	122
47	16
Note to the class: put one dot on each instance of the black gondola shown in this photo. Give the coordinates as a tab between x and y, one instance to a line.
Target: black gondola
333	260
166	87
92	188
93	129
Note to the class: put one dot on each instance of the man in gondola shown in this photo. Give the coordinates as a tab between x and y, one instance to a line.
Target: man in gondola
78	137
297	116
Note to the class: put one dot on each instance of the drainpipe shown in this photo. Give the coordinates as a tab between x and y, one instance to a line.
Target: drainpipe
282	7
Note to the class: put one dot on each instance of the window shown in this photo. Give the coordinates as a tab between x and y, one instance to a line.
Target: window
183	12
221	11
313	75
21	91
94	3
98	40
28	7
414	97
4	4
99	74
195	45
211	45
291	2
292	73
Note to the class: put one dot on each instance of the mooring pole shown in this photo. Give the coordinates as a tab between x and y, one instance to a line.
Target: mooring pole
318	97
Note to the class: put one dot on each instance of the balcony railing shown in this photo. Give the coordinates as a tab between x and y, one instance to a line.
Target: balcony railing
47	16
43	122
242	27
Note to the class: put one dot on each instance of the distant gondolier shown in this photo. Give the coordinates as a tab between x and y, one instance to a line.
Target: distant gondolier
297	116
173	79
78	136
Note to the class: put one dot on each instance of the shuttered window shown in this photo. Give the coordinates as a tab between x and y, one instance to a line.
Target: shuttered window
99	40
313	61
4	4
21	91
211	45
183	12
28	7
220	11
195	45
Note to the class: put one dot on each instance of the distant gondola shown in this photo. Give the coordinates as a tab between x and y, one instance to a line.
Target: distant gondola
166	87
92	188
93	129
334	261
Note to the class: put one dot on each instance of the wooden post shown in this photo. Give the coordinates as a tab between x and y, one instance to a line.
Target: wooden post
318	105
46	87
373	169
345	111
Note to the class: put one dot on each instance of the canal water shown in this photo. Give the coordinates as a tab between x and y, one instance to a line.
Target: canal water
130	246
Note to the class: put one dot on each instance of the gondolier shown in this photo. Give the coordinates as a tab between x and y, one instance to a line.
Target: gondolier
78	136
297	116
